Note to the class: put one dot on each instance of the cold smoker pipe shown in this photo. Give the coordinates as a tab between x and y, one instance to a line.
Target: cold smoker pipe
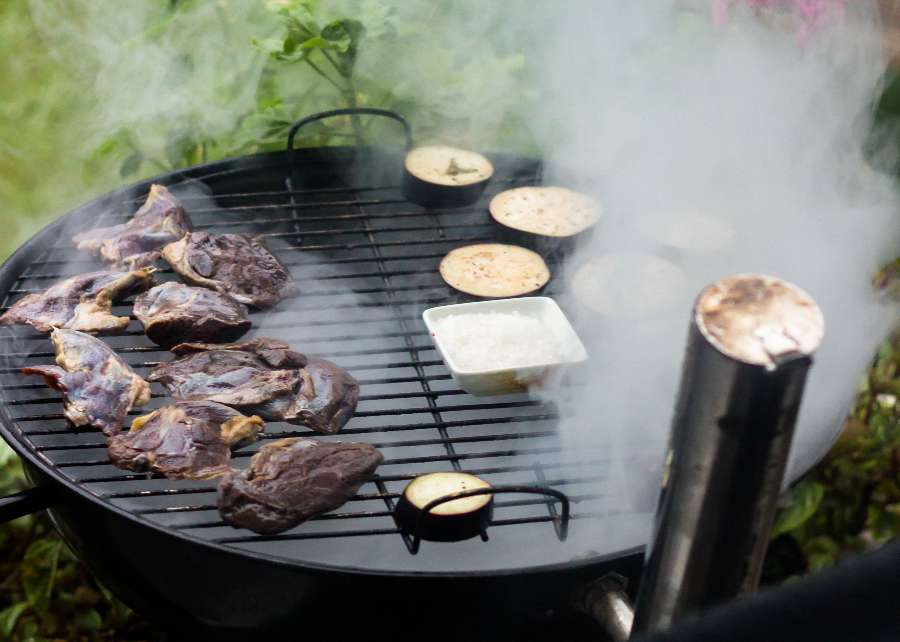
749	350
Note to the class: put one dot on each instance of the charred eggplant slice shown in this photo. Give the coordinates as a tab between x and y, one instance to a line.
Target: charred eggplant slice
174	313
137	243
82	302
494	270
98	387
451	521
234	264
441	176
186	440
291	480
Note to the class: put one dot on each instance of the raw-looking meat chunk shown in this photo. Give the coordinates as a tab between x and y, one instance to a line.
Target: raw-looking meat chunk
174	313
186	440
98	387
159	221
291	480
263	377
239	265
82	302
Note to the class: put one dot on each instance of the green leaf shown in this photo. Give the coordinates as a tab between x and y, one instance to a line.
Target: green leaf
804	500
39	572
88	620
316	42
182	147
8	618
131	164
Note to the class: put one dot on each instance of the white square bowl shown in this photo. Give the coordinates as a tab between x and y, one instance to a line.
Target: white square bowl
500	381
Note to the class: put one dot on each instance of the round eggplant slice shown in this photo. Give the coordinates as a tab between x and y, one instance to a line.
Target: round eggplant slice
441	176
628	285
494	270
451	521
545	211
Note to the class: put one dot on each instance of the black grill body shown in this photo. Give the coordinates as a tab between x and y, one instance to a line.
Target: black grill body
366	261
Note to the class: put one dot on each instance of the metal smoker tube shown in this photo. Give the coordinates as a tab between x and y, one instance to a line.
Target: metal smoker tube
749	350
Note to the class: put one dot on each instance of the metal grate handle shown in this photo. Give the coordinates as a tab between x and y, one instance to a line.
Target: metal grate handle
560	524
372	111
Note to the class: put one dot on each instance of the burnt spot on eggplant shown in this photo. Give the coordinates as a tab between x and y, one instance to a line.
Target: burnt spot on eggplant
172	313
291	480
263	377
235	264
98	387
185	440
82	302
137	243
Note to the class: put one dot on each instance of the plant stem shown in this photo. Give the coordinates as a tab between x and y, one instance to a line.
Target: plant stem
349	97
354	118
324	75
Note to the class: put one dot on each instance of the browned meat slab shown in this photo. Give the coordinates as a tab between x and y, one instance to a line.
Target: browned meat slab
173	313
235	264
327	399
263	377
82	302
137	243
291	480
98	387
186	440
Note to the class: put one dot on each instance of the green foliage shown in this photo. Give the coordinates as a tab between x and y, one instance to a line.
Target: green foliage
50	595
851	501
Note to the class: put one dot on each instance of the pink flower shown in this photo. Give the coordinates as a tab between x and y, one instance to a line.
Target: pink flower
810	15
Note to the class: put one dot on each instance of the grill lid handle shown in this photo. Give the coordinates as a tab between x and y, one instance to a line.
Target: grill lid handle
372	111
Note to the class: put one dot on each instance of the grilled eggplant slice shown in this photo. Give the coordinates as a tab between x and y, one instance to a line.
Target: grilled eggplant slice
494	270
82	302
238	265
452	521
291	480
98	387
186	440
172	313
442	176
263	377
546	211
159	221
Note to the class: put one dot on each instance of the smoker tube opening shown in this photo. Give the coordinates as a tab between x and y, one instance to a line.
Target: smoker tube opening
749	350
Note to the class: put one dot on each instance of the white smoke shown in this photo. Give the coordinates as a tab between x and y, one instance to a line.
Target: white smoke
667	115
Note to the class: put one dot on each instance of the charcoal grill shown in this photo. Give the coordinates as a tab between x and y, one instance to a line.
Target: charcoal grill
366	260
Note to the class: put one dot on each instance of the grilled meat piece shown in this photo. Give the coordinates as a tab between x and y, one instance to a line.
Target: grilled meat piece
82	302
327	399
160	220
257	376
173	312
187	440
291	480
98	387
235	264
263	377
